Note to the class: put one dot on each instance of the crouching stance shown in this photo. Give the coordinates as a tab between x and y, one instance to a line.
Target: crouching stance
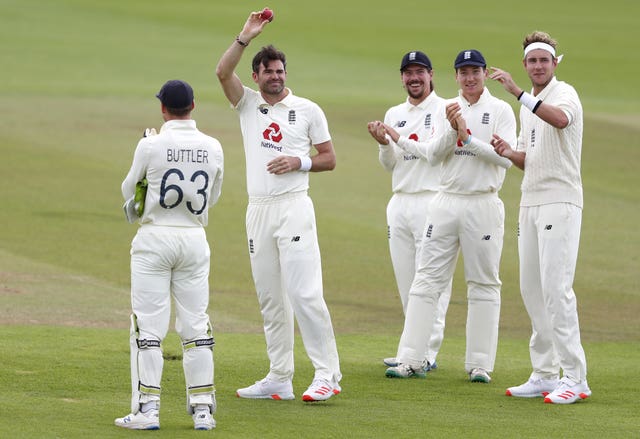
170	257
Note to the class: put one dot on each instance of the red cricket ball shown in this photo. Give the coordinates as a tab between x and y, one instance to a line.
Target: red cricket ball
267	14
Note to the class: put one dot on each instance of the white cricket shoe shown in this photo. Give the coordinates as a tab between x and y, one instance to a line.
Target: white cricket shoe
320	390
393	362
203	420
140	421
568	392
268	389
479	375
534	388
403	370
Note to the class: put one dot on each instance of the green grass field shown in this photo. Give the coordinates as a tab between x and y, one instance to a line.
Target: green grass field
77	89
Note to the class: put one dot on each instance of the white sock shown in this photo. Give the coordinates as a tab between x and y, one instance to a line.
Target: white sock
146	406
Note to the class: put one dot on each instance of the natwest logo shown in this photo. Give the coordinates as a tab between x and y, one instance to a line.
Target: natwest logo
414	136
272	133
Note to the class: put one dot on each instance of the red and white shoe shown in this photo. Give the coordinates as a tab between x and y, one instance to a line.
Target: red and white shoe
568	392
320	390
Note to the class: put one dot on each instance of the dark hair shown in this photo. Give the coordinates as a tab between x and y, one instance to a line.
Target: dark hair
265	55
180	112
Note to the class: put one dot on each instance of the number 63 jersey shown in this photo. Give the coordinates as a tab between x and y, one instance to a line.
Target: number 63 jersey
183	168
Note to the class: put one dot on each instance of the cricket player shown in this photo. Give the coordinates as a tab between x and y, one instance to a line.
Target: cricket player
467	214
279	131
414	182
170	259
548	150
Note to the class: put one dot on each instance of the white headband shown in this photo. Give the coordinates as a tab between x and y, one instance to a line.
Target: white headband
543	46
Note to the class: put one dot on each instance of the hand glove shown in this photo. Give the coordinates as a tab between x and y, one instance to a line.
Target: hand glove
148	132
134	206
140	195
130	211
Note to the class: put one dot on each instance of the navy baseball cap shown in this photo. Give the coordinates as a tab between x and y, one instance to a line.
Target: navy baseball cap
469	58
415	57
176	94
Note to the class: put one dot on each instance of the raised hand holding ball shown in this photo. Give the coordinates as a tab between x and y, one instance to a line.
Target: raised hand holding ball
267	14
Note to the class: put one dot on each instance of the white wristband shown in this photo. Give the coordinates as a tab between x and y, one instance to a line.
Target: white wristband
305	163
529	101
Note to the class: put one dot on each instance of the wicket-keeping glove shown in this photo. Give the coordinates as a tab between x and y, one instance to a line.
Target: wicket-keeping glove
134	206
140	195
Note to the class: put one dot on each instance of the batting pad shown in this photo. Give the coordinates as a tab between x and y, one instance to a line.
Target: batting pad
146	367
197	362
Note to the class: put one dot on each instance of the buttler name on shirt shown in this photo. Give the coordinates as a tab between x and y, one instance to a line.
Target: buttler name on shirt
187	155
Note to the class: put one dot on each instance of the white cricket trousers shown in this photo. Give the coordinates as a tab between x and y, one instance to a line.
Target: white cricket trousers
406	216
170	262
287	272
473	224
548	240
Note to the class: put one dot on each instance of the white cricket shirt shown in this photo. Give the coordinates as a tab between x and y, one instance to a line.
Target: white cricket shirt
412	173
184	169
474	168
552	163
290	127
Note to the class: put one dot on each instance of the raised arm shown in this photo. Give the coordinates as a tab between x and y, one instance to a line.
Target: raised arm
551	114
225	70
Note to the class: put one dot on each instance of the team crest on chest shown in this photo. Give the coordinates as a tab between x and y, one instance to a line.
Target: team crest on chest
533	138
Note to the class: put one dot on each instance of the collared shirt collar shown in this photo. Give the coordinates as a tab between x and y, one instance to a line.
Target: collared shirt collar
483	97
424	103
286	101
545	91
177	123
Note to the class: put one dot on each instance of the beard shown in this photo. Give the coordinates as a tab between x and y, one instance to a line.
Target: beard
416	93
272	88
